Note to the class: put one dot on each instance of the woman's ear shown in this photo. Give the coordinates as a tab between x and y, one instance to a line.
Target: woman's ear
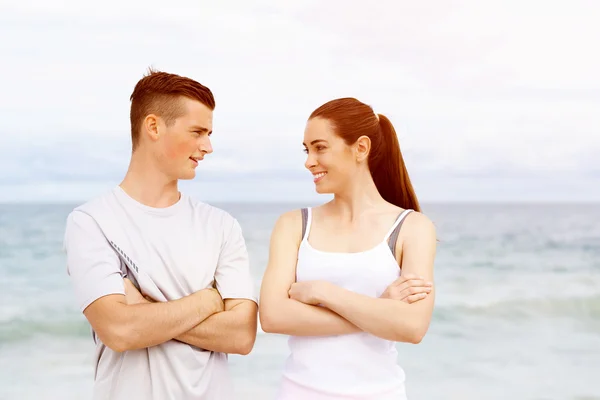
362	148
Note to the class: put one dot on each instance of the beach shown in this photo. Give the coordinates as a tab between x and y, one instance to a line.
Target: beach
517	308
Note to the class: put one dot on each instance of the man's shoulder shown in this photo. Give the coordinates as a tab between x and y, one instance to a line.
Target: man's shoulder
99	203
82	222
211	214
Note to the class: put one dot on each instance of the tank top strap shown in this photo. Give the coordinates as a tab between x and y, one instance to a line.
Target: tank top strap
306	221
395	229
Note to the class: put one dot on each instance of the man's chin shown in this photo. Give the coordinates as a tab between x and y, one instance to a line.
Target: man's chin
188	176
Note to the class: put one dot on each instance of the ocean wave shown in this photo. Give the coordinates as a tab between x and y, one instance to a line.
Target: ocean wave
584	308
20	329
577	309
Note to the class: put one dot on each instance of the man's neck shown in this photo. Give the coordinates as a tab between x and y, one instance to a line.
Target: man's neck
148	185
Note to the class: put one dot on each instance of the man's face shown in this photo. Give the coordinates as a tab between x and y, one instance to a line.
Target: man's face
186	141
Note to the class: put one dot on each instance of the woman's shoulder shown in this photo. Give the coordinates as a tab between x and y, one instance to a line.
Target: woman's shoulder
290	220
418	224
412	217
290	216
290	224
295	214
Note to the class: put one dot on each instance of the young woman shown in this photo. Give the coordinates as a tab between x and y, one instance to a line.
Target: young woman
348	279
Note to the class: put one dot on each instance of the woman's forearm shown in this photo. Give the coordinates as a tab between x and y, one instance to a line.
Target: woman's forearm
386	318
291	317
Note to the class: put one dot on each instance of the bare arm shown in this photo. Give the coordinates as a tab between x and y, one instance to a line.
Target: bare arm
94	269
122	326
232	331
280	314
387	318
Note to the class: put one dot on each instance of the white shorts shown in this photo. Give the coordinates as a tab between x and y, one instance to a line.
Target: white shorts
289	390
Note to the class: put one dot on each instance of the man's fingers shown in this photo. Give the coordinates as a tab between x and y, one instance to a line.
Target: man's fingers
150	299
128	284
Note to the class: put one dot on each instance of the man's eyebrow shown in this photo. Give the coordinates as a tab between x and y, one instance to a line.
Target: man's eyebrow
198	128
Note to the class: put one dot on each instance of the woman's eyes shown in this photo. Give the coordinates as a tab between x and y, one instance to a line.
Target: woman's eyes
319	148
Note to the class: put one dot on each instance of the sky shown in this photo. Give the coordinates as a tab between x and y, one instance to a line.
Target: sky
493	101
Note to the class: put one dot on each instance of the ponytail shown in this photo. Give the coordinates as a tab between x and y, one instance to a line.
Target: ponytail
389	171
353	119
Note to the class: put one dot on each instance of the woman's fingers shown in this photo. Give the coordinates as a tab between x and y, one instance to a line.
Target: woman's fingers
411	280
415	297
415	290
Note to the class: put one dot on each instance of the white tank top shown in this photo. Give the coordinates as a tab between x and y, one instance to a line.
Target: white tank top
358	364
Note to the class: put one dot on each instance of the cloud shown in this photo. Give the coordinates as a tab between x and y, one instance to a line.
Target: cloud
476	91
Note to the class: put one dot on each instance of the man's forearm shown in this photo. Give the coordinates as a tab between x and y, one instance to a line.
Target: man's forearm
137	326
232	331
291	317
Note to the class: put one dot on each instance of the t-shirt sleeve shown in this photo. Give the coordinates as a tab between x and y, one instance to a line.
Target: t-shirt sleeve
233	278
92	264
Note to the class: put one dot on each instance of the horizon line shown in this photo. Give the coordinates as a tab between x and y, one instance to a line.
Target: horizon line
291	202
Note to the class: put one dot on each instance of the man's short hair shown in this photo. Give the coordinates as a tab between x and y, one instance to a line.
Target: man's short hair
159	93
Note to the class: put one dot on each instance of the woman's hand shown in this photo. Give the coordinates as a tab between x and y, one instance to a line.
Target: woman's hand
409	288
307	292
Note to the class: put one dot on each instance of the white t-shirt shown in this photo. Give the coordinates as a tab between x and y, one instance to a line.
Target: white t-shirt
173	252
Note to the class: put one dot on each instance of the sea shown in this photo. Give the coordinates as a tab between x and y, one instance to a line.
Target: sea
517	312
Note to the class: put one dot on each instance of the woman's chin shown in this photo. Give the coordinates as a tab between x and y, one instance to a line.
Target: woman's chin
322	189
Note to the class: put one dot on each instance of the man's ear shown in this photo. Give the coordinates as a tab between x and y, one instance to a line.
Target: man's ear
150	127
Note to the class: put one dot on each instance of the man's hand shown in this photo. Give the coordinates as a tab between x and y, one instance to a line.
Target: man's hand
409	288
209	298
132	294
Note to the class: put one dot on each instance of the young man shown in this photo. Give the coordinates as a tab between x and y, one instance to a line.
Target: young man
189	260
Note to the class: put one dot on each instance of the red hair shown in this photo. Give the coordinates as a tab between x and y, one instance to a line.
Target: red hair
158	93
352	119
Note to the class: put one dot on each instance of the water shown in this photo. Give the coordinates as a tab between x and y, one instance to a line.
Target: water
517	311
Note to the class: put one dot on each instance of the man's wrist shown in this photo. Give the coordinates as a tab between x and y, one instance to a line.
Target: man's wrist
207	303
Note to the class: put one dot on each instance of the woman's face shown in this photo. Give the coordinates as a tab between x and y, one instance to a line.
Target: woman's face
330	160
